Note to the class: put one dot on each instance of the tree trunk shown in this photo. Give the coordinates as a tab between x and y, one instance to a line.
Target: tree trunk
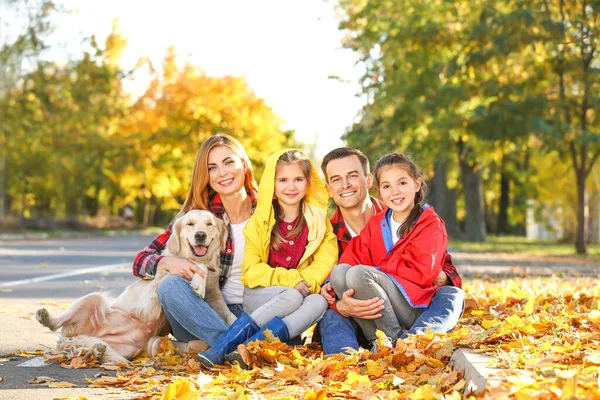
502	222
580	233
444	198
473	190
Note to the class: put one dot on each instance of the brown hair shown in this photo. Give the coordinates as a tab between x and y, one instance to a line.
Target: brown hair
403	161
277	237
200	191
343	152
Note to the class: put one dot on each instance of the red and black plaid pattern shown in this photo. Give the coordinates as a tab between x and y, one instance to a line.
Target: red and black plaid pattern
341	230
451	272
147	260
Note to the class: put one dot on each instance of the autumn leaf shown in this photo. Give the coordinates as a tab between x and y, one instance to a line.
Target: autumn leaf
180	389
42	379
62	385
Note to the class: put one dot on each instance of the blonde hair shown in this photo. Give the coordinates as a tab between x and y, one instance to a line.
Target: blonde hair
404	161
200	191
277	237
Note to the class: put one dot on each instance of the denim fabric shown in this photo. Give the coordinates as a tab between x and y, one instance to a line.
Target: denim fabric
443	312
339	333
190	317
236	309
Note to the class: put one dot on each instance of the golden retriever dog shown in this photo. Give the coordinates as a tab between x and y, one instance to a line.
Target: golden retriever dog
117	329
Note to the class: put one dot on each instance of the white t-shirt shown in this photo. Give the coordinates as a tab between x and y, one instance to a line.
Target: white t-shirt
352	233
394	226
233	291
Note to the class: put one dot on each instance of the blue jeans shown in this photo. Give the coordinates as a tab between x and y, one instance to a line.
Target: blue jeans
339	333
191	317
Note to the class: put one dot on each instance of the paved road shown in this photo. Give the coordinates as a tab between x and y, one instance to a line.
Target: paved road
52	273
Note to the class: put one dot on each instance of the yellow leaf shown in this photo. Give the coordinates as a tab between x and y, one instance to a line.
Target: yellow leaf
375	368
180	389
358	381
569	390
62	385
490	323
529	307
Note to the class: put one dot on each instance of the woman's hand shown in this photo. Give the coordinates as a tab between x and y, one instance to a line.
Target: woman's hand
304	288
326	291
180	266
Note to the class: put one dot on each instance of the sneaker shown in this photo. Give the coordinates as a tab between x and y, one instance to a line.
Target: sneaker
193	346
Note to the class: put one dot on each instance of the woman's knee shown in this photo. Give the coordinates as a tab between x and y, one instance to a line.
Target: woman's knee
171	287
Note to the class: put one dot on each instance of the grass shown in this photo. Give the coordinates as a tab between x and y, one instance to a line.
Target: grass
521	245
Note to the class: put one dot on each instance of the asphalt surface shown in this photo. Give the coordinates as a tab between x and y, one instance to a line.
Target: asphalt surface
52	274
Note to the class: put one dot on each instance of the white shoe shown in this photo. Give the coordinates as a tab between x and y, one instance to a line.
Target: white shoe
193	346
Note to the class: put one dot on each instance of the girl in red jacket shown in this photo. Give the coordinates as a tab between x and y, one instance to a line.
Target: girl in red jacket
398	254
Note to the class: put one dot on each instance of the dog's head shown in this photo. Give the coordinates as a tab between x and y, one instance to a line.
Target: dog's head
198	235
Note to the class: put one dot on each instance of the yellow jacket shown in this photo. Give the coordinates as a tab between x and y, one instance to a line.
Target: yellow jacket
321	252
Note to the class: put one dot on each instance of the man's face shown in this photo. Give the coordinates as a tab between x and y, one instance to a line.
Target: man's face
347	184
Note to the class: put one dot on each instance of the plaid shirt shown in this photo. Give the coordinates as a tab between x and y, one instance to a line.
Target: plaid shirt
340	229
147	260
343	237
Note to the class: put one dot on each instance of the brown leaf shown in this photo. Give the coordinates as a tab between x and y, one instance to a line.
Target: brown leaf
42	379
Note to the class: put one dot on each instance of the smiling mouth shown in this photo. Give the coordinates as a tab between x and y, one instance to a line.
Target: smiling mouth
398	201
199	250
226	182
347	194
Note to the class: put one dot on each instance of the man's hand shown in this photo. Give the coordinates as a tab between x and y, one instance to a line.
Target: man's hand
303	288
326	290
364	309
442	279
180	266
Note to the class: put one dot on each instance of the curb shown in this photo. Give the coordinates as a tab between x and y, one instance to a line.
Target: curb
478	375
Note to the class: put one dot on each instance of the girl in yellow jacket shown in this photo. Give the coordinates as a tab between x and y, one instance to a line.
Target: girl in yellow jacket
290	251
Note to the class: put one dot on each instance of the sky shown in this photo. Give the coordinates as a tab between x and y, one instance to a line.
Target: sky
286	50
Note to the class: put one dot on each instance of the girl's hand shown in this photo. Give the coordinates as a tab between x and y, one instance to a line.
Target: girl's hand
180	266
303	288
327	292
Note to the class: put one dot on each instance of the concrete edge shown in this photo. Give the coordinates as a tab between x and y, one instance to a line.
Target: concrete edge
478	375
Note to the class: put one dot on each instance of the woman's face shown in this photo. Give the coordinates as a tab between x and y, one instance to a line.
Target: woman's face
226	171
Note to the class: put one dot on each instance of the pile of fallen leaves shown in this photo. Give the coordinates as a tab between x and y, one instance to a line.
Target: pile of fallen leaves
543	335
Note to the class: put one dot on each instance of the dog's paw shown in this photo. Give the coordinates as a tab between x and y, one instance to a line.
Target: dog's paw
43	316
98	350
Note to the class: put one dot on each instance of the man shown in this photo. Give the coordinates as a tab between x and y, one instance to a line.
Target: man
348	181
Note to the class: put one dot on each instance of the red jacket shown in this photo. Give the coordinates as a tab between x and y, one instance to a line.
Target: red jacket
413	262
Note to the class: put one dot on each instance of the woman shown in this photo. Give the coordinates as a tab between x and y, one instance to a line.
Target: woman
222	182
